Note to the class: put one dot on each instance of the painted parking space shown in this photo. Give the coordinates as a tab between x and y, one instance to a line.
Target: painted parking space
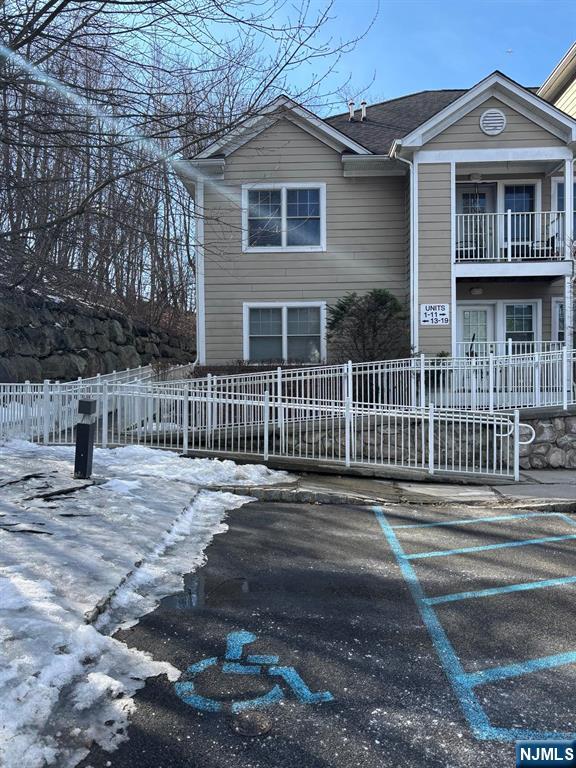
490	634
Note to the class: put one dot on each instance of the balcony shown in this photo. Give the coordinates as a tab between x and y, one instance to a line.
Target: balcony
483	238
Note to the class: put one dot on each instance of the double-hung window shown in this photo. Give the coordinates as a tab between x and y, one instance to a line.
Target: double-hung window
284	217
293	333
520	322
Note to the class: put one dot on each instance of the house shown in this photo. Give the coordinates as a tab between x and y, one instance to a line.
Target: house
460	202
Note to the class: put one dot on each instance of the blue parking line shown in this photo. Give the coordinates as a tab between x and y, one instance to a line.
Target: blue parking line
471	520
486	547
464	683
470	705
500	590
516	670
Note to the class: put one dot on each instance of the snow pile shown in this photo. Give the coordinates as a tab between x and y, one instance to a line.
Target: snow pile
116	547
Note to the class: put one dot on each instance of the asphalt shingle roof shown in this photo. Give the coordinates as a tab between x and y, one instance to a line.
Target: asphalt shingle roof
393	119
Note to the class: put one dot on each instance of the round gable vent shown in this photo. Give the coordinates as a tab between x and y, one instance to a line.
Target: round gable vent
492	122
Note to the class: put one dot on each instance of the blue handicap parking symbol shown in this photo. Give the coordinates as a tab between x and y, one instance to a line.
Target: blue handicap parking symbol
236	663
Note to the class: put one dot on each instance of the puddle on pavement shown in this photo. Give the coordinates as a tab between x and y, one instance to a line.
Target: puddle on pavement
200	592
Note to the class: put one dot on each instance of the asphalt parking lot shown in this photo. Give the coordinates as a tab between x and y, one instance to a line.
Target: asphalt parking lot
372	636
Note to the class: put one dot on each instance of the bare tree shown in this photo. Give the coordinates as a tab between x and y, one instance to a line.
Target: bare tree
96	98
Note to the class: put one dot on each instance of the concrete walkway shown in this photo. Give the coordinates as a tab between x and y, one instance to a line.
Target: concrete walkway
547	490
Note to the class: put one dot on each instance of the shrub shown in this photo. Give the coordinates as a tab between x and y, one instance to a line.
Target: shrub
369	327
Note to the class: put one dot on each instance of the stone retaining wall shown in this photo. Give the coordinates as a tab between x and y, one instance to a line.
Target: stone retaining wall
42	338
554	445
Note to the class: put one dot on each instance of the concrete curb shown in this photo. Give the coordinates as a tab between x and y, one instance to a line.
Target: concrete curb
299	495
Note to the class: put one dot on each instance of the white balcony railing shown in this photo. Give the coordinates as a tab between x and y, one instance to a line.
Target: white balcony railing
482	237
508	347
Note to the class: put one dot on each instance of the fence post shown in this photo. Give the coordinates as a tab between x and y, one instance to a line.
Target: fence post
516	449
422	381
280	404
509	347
473	385
350	380
209	405
27	410
509	233
565	377
46	411
185	427
266	423
104	440
491	381
430	438
537	380
348	428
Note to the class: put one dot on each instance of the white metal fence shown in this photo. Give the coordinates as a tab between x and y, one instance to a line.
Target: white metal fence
432	414
493	382
338	432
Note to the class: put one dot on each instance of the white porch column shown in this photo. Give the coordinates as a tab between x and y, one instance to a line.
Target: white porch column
569	243
568	207
568	312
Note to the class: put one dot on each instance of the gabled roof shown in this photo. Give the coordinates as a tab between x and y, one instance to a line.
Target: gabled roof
390	120
521	99
283	106
409	121
561	76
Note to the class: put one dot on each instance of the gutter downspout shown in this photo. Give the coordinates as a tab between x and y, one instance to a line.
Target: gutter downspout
199	260
413	248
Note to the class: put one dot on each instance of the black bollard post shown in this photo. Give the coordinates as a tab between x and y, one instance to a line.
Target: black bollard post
85	430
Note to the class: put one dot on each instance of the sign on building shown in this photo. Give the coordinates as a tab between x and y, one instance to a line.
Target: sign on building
434	314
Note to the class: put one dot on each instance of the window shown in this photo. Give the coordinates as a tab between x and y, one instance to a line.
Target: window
560	204
520	198
558	320
289	217
519	319
284	333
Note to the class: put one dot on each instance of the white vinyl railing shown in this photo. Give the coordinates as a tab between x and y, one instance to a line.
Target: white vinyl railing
510	236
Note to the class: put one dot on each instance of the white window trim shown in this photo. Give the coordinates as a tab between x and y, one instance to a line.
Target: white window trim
283	186
556	302
500	315
284	306
556	180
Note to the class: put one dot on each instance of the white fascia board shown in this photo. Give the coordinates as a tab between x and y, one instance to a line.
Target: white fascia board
493	155
494	85
558	79
514	269
251	127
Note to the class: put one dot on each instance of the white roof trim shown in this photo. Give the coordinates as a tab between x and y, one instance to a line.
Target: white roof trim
518	98
558	79
251	127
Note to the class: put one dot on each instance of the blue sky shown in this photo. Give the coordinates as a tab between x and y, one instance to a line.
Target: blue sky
420	44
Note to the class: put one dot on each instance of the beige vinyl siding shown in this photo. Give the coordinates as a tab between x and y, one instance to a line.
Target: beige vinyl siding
519	132
434	244
567	100
366	229
515	290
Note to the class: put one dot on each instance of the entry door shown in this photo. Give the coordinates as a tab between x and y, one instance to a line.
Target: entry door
475	329
476	231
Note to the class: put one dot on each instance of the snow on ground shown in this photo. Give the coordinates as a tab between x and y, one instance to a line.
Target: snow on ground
113	548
